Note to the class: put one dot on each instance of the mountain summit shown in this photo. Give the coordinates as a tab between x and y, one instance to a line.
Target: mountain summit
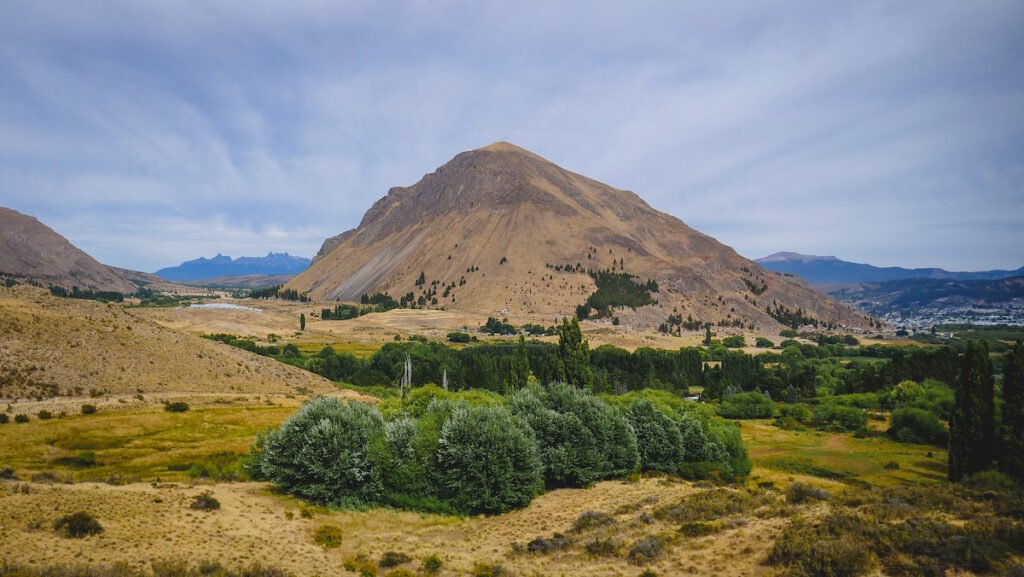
502	228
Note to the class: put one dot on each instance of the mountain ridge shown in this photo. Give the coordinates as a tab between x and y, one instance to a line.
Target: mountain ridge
829	270
202	269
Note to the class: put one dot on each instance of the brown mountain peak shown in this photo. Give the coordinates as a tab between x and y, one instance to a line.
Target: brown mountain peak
490	225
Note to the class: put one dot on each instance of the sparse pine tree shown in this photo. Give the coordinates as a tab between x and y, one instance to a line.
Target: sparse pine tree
520	366
574	352
1011	459
972	420
422	279
302	321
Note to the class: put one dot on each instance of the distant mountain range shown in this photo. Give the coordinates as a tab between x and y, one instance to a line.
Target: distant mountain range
829	270
225	266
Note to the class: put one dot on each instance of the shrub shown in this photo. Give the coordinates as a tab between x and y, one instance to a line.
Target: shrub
88	409
542	545
393	559
910	425
328	536
763	343
458	337
839	417
320	452
360	563
481	569
77	525
487	461
798	493
176	407
205	502
707	506
432	563
4	419
646	550
832	548
602	548
735	342
44	415
592	519
85	459
697	529
20	418
751	405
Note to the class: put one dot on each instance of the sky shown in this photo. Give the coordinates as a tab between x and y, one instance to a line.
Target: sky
149	133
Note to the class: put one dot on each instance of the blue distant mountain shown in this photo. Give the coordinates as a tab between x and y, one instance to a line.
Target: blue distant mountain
829	270
224	266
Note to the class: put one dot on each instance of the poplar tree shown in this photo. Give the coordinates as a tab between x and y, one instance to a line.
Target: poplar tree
972	420
1011	459
520	366
302	321
574	352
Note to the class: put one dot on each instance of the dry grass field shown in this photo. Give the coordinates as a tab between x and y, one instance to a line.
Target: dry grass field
72	348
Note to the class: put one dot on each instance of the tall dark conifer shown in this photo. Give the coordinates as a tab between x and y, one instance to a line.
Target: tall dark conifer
1011	454
972	420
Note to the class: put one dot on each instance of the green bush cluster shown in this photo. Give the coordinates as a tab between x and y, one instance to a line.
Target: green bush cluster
912	425
751	405
837	417
471	452
580	438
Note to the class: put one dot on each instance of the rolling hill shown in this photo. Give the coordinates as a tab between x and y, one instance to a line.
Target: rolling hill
62	347
500	230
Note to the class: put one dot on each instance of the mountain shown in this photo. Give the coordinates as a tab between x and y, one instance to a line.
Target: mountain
500	228
223	266
29	248
829	270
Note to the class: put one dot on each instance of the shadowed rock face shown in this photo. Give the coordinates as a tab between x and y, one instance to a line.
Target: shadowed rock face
504	202
32	249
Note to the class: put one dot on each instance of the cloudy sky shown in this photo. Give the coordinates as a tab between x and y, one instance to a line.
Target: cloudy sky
884	132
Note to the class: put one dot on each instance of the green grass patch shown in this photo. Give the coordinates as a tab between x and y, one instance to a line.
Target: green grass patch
146	443
803	466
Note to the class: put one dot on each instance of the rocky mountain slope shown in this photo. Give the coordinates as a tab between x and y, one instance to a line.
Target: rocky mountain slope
501	229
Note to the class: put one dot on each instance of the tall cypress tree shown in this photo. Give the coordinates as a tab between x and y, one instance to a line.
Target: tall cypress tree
574	352
520	366
1011	457
972	420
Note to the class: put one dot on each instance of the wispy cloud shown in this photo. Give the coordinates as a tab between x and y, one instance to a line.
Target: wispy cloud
150	133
